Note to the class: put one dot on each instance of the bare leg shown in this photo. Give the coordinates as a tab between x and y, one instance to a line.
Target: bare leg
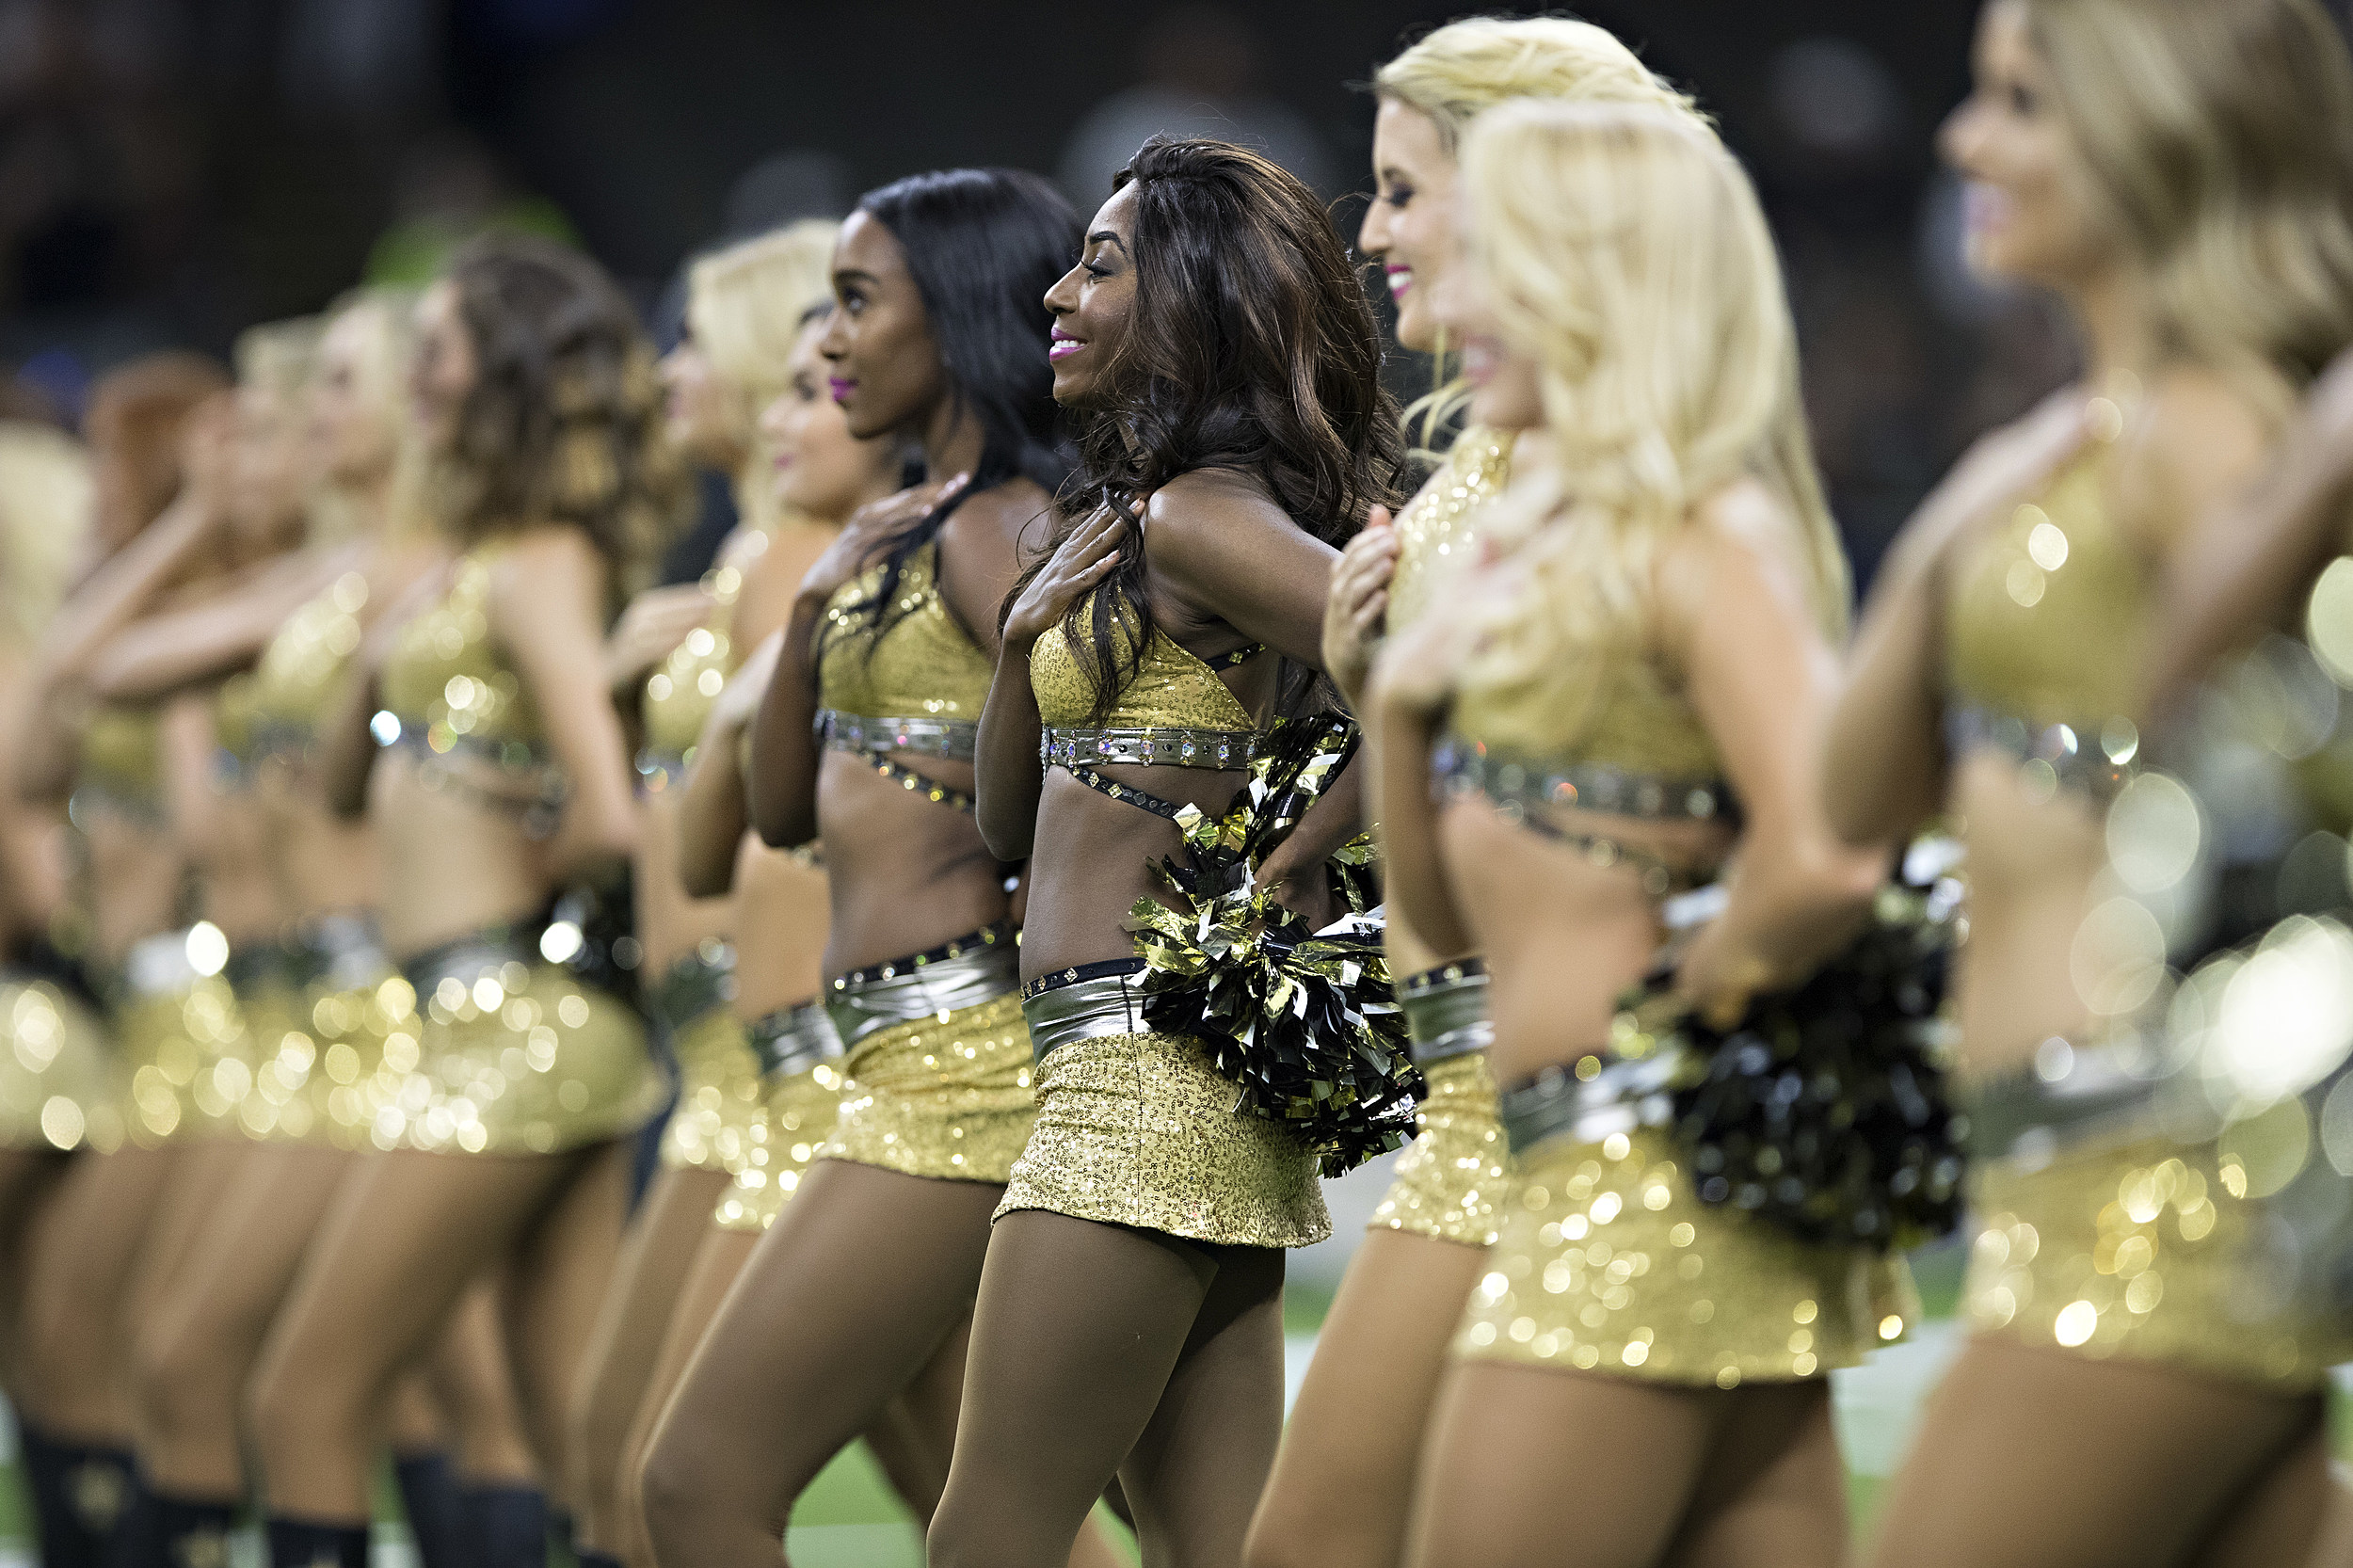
193	1356
1529	1466
407	1234
716	1264
2040	1459
554	1283
468	1376
2283	1516
657	1259
82	1252
1098	1350
1344	1474
843	1302
28	1178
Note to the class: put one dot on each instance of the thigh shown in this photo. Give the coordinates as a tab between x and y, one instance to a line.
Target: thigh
1345	1471
2039	1458
2285	1516
1772	1489
79	1258
556	1280
1554	1468
657	1255
468	1377
242	1254
842	1301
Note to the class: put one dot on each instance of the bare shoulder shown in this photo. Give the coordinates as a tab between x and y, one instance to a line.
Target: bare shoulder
1740	543
1018	515
1211	512
2197	438
542	568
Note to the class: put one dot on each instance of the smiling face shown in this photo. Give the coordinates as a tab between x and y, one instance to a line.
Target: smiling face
885	369
1409	225
1503	380
1093	304
2027	215
821	469
697	410
445	370
351	431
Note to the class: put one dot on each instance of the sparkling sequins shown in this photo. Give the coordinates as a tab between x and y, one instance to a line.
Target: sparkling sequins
1435	533
57	1084
798	1111
1607	1262
1450	1180
946	1096
721	1102
1140	1130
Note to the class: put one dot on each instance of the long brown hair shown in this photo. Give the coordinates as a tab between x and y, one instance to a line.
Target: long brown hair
563	422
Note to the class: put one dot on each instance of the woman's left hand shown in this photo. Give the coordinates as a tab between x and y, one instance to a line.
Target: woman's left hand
1300	887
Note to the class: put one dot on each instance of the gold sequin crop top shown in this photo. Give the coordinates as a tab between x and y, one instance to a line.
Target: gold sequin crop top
1172	709
918	687
447	687
302	666
121	764
1438	531
680	692
2046	620
236	732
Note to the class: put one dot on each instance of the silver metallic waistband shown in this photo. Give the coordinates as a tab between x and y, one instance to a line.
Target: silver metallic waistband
2097	765
463	963
793	1040
2069	1096
1620	1095
155	965
1173	748
959	974
342	952
1446	1012
701	982
1063	1013
955	740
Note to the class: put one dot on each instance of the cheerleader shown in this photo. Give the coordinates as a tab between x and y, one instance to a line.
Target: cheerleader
476	731
2181	175
1342	1476
1223	360
1622	706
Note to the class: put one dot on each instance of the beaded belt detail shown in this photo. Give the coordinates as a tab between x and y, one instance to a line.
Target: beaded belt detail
793	1040
942	980
1469	768
2098	765
1445	1011
1173	748
1600	1095
955	740
1084	1002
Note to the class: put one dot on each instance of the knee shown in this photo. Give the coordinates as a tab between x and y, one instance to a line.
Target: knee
297	1405
183	1386
961	1533
1278	1539
671	1498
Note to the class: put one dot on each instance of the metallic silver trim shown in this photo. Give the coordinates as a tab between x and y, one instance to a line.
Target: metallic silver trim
1173	749
1447	1017
1621	1096
924	988
794	1040
1086	1010
956	740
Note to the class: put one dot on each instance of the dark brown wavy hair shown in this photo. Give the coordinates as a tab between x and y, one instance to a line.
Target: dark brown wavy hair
563	422
1252	347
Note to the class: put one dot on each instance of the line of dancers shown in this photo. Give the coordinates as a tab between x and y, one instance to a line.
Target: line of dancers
1120	770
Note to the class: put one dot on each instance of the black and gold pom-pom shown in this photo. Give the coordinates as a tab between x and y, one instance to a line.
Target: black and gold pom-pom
1304	1022
1824	1109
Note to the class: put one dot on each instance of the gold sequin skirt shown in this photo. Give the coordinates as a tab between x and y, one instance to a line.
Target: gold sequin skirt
1608	1262
58	1088
524	1060
1140	1130
719	1096
946	1096
186	1060
1452	1177
2140	1252
353	1061
797	1118
278	1104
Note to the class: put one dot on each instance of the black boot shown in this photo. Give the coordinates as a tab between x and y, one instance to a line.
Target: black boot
189	1532
80	1494
503	1526
428	1495
317	1544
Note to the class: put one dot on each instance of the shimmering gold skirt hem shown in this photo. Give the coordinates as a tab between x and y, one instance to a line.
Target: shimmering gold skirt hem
946	1097
1140	1130
1451	1178
1608	1262
58	1086
2143	1252
719	1096
186	1063
797	1116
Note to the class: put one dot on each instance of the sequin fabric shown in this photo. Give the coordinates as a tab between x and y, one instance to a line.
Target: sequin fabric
301	670
1170	689
361	1045
121	763
1437	531
278	1103
1449	1182
446	678
57	1083
2147	1253
679	693
1607	1262
1140	1130
946	1095
187	1059
799	1113
926	666
523	1059
720	1099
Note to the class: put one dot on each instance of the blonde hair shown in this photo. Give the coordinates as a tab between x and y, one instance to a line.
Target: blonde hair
746	306
2216	138
1622	248
277	357
45	501
1463	69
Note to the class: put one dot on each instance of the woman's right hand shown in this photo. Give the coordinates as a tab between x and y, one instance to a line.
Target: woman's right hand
653	625
738	700
1357	607
1085	556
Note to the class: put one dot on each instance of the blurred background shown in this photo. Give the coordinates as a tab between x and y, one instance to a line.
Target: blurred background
172	170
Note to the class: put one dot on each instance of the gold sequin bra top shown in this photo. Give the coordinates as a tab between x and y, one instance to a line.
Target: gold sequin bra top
918	687
1438	534
236	733
450	696
680	692
1639	751
2046	620
302	667
1173	712
120	770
